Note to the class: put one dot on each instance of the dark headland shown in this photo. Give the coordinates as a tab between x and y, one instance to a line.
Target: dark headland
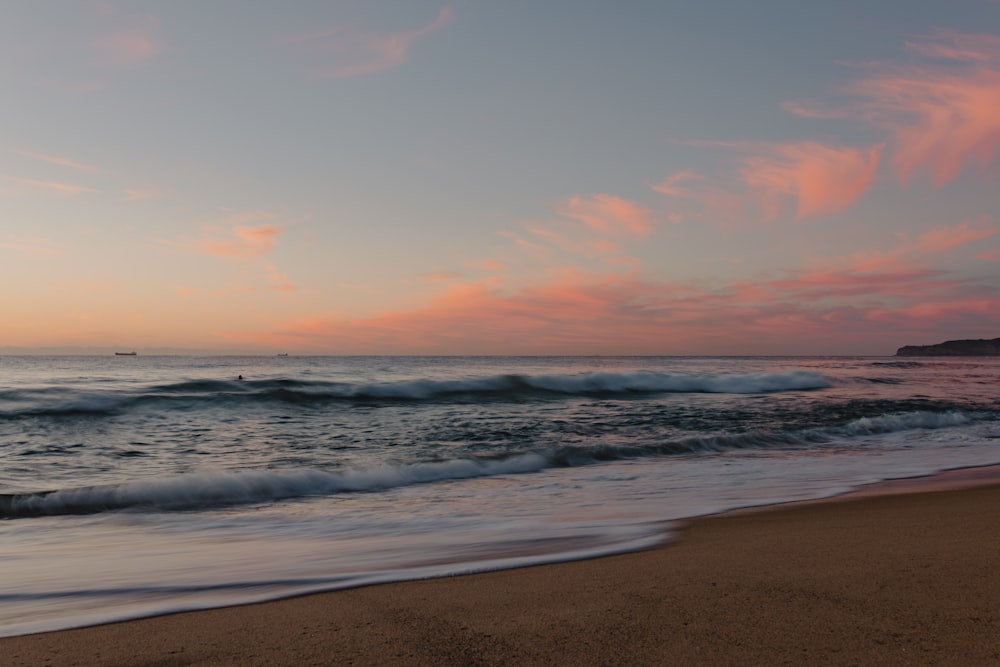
953	348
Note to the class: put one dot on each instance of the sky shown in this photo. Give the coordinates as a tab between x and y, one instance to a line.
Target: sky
568	177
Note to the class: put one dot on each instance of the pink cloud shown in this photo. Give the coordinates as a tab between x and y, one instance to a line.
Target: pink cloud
821	179
977	314
590	227
240	243
245	217
360	53
31	247
53	186
940	115
943	238
536	250
609	214
488	265
812	178
955	45
835	310
441	276
63	162
567	237
129	48
278	281
671	185
148	193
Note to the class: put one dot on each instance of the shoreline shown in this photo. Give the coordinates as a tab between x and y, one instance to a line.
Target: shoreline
899	571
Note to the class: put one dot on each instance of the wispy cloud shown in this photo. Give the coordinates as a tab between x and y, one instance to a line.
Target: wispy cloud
941	113
946	237
590	227
609	214
340	52
278	281
935	240
245	217
50	186
63	162
239	242
811	179
39	248
820	179
129	48
488	265
673	186
579	312
845	304
133	194
441	276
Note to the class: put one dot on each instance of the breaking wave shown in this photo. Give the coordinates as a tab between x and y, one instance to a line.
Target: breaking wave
213	490
510	387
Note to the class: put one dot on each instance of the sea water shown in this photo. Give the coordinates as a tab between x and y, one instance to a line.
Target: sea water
133	486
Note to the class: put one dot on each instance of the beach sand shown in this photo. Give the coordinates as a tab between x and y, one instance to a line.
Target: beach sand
910	579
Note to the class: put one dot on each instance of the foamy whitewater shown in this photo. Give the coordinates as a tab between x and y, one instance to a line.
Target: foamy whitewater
133	486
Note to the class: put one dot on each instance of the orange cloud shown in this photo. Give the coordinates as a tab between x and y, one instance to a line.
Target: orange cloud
278	281
821	179
248	242
609	214
441	276
244	217
139	195
488	265
360	53
31	247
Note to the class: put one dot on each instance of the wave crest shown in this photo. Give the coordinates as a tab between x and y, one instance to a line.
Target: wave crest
489	388
208	490
212	490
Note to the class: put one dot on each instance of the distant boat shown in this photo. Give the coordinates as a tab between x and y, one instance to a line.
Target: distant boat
282	354
124	354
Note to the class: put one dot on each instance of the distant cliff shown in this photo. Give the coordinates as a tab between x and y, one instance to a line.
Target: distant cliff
953	348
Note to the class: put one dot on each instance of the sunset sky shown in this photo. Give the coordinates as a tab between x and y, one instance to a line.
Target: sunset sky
565	177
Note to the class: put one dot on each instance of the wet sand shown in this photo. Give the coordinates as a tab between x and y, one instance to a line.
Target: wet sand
905	579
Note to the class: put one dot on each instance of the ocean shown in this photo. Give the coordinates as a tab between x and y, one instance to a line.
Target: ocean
133	486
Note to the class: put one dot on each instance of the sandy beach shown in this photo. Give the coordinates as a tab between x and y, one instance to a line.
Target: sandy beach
908	579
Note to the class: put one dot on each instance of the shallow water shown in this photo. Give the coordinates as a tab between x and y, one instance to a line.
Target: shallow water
140	485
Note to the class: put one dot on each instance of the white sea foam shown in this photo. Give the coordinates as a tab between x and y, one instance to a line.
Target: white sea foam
208	490
205	490
388	466
906	421
596	383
